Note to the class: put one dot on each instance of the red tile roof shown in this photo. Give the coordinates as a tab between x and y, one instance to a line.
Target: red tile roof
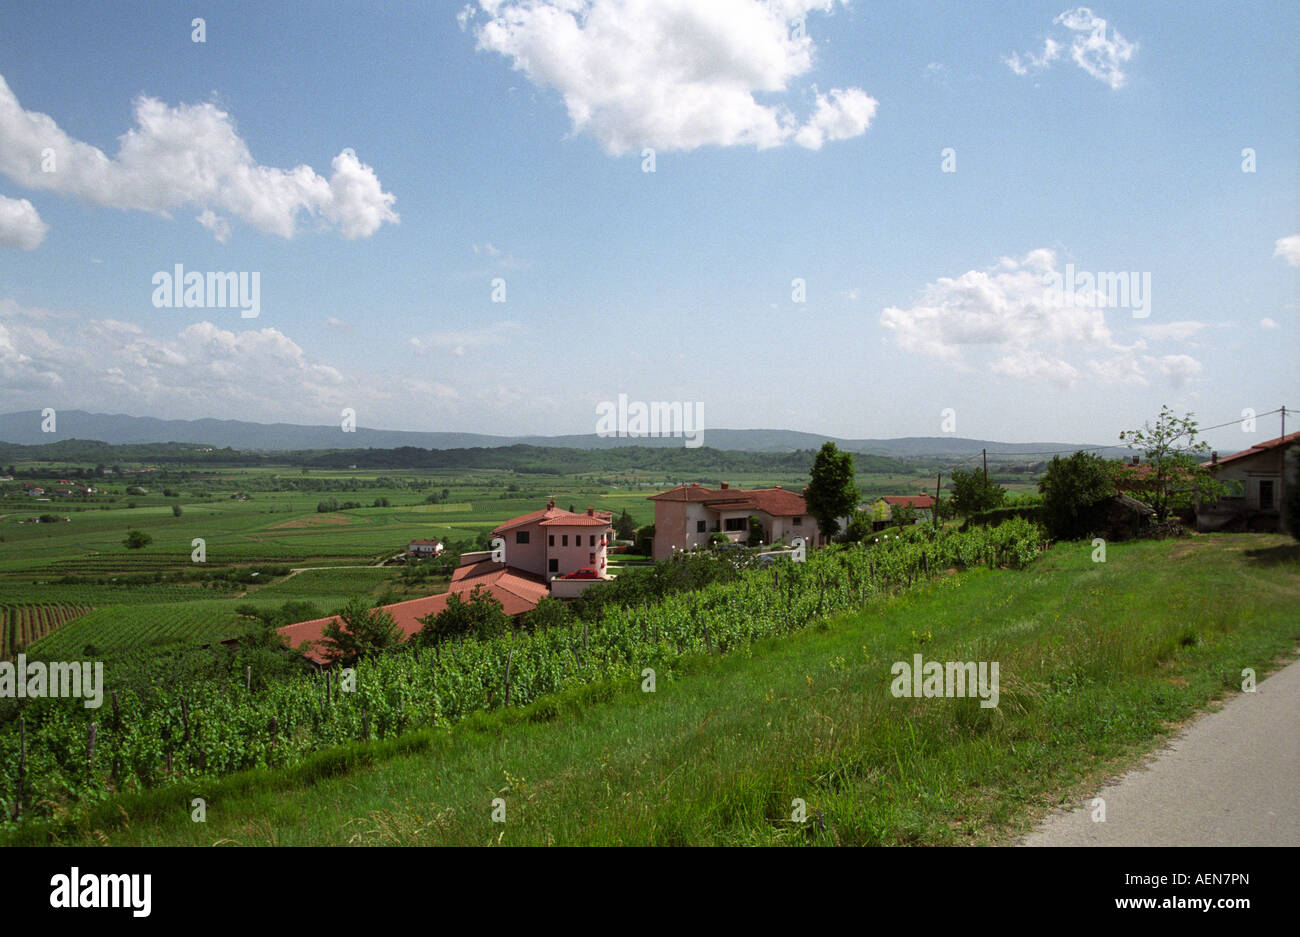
424	543
551	516
916	501
1280	442
778	502
517	591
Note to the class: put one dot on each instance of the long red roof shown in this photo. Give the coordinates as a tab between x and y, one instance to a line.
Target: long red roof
517	591
778	502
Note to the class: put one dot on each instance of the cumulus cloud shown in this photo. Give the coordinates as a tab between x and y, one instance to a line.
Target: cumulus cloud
189	157
1267	323
1005	318
1288	248
20	224
1101	56
672	74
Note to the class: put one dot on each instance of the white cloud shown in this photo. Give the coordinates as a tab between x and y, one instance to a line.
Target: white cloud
1002	318
189	157
1051	51
20	224
1178	331
841	115
487	249
1267	323
1101	56
672	74
1288	248
459	342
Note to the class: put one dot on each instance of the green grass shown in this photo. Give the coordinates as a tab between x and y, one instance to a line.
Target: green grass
1098	663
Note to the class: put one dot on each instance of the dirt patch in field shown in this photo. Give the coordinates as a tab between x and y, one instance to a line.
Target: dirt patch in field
314	520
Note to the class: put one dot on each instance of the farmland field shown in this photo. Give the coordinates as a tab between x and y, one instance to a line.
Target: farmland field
282	517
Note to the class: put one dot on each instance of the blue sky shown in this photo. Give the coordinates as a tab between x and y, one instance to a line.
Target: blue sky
505	140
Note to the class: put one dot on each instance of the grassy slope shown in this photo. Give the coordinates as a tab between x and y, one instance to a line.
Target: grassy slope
1097	663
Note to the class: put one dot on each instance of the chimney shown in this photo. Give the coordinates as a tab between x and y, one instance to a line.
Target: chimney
591	512
1135	460
549	505
1214	458
726	485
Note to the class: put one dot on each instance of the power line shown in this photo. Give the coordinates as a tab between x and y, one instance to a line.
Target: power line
1199	429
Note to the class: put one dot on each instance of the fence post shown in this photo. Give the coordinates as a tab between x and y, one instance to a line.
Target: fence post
509	658
22	765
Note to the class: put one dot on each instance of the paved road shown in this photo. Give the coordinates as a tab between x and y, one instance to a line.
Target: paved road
1231	779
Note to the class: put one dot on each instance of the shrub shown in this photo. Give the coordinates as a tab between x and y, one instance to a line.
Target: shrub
1074	492
136	539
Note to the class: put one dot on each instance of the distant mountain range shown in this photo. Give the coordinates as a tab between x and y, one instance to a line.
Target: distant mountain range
24	428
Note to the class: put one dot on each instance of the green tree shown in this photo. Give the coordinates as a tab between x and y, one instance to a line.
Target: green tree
482	616
1174	477
1291	497
358	631
176	510
831	493
1073	490
625	527
549	613
860	527
903	514
971	492
136	539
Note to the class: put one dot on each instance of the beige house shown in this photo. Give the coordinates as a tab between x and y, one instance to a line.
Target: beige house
688	515
1256	484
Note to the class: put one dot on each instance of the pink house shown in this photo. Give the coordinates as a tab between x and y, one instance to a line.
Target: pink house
688	515
553	542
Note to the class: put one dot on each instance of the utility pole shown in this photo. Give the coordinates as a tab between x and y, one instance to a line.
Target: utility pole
985	454
938	478
1281	485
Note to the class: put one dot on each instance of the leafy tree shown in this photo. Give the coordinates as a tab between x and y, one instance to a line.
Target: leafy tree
860	527
482	616
1073	489
831	493
136	539
358	630
624	526
645	539
903	514
381	503
972	492
549	613
1291	503
755	532
1174	477
176	510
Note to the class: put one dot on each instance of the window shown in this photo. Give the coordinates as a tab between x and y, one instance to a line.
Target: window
591	558
553	565
1266	495
593	541
564	540
798	522
521	536
699	527
550	540
736	523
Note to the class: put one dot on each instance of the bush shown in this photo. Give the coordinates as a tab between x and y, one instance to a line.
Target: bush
136	539
1031	513
1074	493
176	510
